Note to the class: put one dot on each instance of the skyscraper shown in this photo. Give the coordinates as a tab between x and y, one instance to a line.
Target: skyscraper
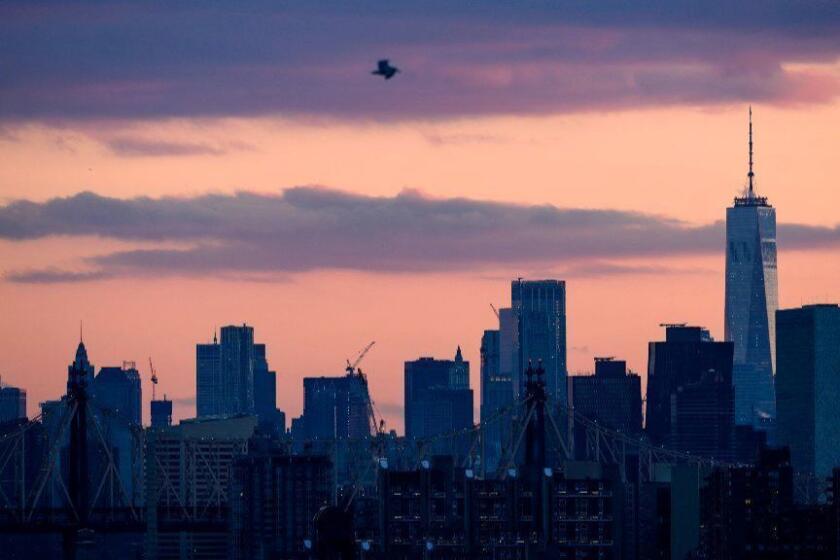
237	362
12	404
689	392
233	377
751	301
540	308
335	408
208	379
438	399
265	394
496	394
118	390
808	387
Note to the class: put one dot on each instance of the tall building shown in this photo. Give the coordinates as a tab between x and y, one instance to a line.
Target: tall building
540	308
689	392
161	413
208	379
233	377
118	390
751	301
612	397
496	395
808	387
12	404
438	400
237	366
271	419
335	408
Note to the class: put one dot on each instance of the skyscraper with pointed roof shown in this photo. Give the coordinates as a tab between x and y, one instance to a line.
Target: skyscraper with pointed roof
752	300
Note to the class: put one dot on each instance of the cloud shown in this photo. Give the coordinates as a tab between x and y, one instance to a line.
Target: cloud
122	60
135	147
260	236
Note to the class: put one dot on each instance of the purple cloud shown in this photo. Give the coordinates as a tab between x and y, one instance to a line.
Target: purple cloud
68	60
260	236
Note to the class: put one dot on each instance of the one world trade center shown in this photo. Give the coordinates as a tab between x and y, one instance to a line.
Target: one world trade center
751	301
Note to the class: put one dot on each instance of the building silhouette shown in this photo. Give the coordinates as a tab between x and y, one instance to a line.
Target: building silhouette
751	301
540	310
233	377
275	498
335	408
12	403
496	395
808	387
118	390
161	413
612	397
438	400
689	392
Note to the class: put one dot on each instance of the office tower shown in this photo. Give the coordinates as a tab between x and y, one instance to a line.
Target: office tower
233	377
335	408
496	396
438	400
689	392
271	419
540	308
208	372
118	390
161	413
612	397
237	365
751	301
808	387
12	404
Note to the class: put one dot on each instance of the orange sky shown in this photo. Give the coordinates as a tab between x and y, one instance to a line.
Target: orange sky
685	163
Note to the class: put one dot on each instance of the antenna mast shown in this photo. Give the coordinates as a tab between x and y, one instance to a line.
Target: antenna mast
750	175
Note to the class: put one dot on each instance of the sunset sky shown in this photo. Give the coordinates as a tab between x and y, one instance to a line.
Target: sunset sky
166	171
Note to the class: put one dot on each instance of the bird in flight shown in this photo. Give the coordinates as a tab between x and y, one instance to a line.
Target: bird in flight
384	69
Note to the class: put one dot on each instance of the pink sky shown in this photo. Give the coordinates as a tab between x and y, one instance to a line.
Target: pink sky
597	142
682	163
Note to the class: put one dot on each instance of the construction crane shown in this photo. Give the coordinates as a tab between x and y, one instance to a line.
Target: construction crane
495	311
351	368
377	423
154	377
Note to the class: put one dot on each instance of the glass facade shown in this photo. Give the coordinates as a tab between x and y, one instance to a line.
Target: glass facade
751	303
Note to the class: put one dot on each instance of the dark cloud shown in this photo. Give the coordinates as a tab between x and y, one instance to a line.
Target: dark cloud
67	60
260	236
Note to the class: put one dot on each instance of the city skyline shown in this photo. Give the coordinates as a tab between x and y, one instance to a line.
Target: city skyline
506	143
380	280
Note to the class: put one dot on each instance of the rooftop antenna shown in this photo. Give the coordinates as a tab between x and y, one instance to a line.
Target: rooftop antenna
750	175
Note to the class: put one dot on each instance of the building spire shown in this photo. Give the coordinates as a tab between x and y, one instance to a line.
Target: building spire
751	175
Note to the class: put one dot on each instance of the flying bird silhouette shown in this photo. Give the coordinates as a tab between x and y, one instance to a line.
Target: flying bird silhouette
384	69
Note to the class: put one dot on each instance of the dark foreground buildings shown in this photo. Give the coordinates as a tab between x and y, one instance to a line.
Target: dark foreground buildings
689	393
